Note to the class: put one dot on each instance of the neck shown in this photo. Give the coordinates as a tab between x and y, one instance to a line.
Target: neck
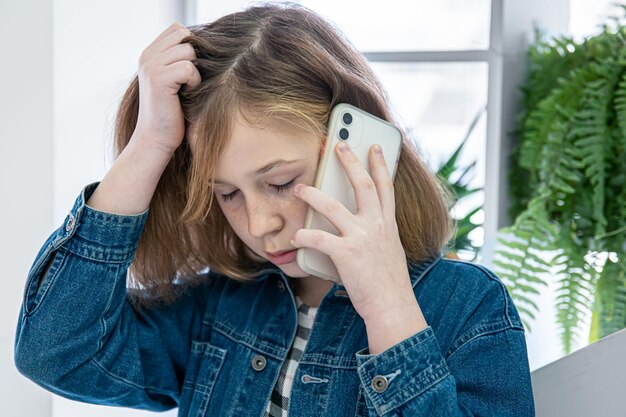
311	290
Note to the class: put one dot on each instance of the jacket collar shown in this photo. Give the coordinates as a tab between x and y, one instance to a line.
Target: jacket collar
417	270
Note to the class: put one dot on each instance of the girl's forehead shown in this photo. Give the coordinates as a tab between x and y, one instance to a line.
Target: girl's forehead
249	144
259	135
255	149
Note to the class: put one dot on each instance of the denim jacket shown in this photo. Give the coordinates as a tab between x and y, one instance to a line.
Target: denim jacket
218	350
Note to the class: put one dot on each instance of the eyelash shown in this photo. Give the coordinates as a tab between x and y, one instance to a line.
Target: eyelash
278	188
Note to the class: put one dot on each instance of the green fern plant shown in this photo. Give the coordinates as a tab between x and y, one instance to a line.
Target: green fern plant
456	179
567	182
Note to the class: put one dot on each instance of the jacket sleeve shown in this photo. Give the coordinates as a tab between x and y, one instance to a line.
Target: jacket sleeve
77	334
486	375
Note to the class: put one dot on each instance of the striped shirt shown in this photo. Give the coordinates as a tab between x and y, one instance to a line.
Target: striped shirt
279	400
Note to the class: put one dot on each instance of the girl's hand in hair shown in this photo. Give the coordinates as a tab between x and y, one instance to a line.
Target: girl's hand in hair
368	253
164	66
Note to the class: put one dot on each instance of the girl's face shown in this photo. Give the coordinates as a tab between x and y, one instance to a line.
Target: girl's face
254	183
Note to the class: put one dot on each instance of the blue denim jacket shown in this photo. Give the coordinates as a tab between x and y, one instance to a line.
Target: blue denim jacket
219	349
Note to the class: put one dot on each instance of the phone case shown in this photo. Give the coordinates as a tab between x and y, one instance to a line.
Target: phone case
364	131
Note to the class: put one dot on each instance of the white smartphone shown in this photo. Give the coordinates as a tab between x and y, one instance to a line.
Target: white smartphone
360	130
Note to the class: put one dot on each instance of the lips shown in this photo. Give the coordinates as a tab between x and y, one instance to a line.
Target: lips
278	253
282	257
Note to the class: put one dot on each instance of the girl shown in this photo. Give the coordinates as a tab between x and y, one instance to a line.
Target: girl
217	319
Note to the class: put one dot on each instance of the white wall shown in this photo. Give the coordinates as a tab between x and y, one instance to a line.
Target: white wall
26	183
96	47
64	66
589	382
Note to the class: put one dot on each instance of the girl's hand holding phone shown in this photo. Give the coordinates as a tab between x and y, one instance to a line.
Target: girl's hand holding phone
368	255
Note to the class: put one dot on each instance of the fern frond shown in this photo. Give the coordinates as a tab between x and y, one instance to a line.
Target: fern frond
574	295
609	313
591	135
568	183
620	107
519	263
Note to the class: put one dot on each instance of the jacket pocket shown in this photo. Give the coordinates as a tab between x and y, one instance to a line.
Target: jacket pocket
361	404
205	362
41	277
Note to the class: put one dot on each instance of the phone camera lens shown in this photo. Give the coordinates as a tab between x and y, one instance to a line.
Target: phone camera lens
343	133
347	118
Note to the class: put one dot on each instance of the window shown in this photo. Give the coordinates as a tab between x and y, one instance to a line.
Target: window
438	103
398	25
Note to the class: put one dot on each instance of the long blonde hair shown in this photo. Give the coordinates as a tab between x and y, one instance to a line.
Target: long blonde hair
274	60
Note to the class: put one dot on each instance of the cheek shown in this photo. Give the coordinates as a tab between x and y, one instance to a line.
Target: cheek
236	217
299	211
299	207
293	212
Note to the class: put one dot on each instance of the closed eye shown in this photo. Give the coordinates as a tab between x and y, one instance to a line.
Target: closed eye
283	187
277	188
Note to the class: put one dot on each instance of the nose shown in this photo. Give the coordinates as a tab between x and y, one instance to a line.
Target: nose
263	218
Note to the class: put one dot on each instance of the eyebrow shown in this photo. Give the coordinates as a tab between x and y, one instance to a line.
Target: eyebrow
275	164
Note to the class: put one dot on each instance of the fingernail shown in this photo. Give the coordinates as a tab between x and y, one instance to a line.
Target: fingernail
343	146
297	188
377	149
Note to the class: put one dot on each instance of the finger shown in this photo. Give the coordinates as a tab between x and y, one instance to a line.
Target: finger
333	210
171	39
319	240
184	73
384	182
173	27
156	48
180	52
363	185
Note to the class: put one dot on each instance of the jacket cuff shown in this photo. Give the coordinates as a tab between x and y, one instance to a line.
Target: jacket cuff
88	233
99	235
402	372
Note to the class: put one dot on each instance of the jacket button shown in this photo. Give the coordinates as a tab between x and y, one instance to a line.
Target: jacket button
380	383
281	286
258	363
70	223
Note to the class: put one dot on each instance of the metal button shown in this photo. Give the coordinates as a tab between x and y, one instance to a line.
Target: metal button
281	286
341	293
258	363
70	223
380	383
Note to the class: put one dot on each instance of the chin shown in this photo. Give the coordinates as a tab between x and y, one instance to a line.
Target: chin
293	270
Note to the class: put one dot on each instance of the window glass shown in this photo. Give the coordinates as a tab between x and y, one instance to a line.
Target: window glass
438	103
588	16
400	25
